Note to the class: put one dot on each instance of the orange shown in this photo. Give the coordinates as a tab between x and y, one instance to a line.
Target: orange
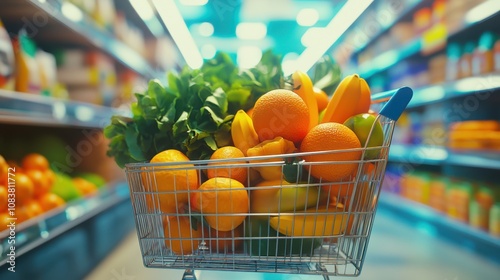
24	213
327	137
224	241
4	198
35	161
50	201
84	187
25	189
51	176
180	236
34	208
41	183
237	173
321	98
224	197
173	180
5	220
280	112
250	112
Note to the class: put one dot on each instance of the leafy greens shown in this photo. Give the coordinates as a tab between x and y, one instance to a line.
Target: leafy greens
193	113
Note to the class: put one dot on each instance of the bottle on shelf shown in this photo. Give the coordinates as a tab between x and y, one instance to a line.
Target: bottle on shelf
483	57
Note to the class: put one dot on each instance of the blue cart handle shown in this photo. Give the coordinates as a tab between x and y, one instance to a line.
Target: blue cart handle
397	103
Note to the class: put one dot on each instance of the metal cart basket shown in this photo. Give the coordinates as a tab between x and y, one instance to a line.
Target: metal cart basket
299	224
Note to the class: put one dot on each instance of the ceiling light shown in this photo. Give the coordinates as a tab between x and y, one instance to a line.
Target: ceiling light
248	56
251	31
194	2
208	51
482	11
178	30
206	29
307	17
143	9
312	36
332	32
71	11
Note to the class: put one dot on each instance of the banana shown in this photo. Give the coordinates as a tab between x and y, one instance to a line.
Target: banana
279	196
242	132
303	86
351	97
322	222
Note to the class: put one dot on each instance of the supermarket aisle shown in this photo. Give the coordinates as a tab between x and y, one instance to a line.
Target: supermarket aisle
396	251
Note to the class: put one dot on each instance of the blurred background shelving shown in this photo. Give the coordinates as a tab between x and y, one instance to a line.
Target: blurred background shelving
83	60
446	148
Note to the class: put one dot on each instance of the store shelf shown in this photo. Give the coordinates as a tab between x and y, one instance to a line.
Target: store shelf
31	109
80	30
391	57
37	231
466	86
426	219
435	155
409	7
431	155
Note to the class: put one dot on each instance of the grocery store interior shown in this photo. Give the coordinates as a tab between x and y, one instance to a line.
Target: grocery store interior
70	71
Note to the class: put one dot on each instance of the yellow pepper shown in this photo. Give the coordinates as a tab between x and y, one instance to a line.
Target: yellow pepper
276	146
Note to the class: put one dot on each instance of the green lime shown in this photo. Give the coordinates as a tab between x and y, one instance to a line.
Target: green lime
361	124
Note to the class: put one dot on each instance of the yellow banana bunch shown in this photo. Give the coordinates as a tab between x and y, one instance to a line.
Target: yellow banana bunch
351	97
278	196
242	132
314	222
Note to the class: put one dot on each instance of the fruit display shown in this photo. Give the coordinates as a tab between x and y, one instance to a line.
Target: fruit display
30	187
241	162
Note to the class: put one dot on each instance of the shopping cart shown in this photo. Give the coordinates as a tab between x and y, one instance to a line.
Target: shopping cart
325	232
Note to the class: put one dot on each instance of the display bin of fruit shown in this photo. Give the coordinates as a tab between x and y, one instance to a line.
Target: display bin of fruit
274	187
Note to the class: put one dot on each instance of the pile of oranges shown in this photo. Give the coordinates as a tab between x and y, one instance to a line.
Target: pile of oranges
25	189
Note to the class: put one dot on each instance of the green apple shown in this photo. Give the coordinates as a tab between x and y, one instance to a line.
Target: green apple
361	125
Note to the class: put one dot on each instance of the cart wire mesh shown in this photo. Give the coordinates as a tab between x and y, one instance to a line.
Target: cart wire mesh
299	224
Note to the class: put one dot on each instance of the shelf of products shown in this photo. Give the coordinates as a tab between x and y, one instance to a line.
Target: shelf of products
67	67
431	222
20	108
462	87
444	158
35	232
76	27
434	155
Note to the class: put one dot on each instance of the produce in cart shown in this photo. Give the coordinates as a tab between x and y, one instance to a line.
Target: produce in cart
263	169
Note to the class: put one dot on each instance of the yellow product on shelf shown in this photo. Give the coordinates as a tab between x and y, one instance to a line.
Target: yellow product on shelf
27	72
7	62
437	193
484	199
458	198
494	221
46	63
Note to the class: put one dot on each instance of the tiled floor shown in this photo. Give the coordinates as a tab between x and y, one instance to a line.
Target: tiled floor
396	251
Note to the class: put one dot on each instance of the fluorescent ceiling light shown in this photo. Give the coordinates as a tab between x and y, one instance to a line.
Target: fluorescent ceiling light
143	9
482	11
180	33
208	51
194	2
337	26
312	36
248	56
71	11
251	30
206	29
307	17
